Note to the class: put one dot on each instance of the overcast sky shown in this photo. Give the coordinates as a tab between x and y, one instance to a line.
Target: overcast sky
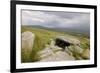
57	19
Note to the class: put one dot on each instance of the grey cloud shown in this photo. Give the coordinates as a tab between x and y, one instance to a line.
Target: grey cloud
56	19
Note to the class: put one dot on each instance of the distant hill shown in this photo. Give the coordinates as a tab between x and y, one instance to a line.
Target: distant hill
71	30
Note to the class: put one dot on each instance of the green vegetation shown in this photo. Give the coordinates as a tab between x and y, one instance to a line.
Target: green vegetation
42	37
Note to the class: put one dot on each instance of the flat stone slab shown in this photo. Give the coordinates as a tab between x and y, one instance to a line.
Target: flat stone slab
58	56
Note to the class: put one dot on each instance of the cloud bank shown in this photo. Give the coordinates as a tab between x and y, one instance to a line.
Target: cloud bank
59	19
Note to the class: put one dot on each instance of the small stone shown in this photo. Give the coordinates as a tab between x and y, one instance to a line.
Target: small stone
78	49
68	51
86	54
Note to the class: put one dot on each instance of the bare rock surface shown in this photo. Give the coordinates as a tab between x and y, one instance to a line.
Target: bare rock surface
50	55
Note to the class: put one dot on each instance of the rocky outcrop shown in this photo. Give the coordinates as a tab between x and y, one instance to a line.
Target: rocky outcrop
27	40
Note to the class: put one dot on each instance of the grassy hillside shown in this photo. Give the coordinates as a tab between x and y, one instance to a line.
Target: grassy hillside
43	36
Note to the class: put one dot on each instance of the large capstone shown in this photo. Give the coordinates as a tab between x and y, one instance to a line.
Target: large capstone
61	43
